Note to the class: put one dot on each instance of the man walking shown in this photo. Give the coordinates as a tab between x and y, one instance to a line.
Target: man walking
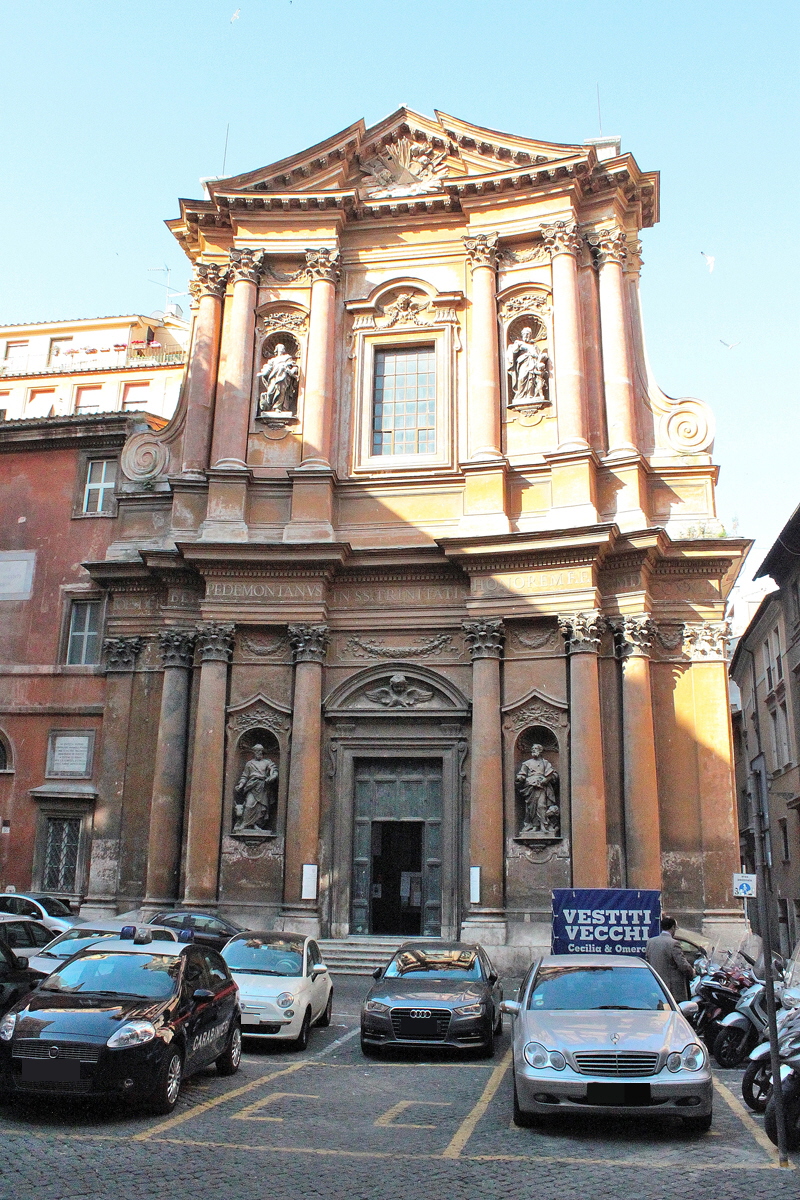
666	957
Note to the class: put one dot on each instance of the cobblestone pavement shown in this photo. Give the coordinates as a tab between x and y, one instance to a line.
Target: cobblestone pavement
332	1123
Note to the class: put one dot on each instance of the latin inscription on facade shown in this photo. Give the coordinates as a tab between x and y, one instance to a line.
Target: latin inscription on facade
267	589
526	583
400	595
70	754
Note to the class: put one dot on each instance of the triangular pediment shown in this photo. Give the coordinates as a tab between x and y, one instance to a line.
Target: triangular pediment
404	154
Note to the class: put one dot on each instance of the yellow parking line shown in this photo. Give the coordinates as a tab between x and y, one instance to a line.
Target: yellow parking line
247	1112
739	1110
387	1121
197	1109
467	1126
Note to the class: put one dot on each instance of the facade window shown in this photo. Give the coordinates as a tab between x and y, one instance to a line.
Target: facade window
783	730
84	633
135	395
101	478
41	400
5	756
57	348
61	854
776	638
87	399
404	401
775	738
16	356
784	828
768	666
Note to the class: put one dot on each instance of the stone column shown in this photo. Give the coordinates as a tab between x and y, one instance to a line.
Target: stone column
232	416
563	241
486	918
215	643
483	417
610	251
169	774
120	659
582	632
209	288
323	269
309	645
640	790
706	644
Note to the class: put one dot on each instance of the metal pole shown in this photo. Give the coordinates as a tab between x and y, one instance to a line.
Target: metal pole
769	988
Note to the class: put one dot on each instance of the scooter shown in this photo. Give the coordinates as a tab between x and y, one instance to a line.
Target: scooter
741	1030
789	1054
757	1078
717	993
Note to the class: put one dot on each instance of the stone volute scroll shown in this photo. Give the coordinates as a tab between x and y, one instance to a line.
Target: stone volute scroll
323	263
481	250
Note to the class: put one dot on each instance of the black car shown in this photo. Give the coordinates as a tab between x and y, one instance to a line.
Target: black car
444	994
16	978
208	928
123	1020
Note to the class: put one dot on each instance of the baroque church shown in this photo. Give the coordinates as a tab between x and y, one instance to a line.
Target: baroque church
414	609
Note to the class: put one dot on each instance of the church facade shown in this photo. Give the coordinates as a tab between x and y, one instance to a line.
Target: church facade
415	607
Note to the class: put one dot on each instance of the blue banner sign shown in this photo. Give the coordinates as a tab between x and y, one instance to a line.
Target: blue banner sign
604	920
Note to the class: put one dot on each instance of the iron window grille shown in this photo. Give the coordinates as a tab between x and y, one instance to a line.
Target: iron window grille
61	853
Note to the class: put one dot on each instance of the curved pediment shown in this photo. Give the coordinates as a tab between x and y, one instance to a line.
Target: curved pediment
396	688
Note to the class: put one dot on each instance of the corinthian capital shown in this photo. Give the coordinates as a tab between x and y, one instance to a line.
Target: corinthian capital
177	647
215	642
485	638
707	640
582	631
121	652
635	634
609	245
245	263
562	237
211	280
481	250
323	263
309	642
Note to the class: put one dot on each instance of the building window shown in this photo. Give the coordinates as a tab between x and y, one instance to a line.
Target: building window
16	357
783	729
87	399
784	828
101	479
41	400
84	633
135	396
404	401
767	666
57	348
776	638
61	854
5	754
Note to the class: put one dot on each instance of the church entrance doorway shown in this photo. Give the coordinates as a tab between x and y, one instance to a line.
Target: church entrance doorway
397	857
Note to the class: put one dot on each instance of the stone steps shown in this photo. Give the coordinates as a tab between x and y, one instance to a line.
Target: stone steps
358	955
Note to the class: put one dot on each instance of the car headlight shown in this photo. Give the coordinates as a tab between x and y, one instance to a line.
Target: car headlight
693	1057
674	1061
132	1033
376	1007
557	1060
7	1027
470	1010
536	1055
285	1000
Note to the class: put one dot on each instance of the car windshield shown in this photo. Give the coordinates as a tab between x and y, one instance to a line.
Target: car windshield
76	939
435	964
597	987
260	956
53	907
151	976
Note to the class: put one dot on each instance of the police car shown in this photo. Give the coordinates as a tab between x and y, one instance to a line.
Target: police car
125	1019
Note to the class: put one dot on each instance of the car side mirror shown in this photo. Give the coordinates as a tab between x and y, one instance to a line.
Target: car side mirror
492	978
20	961
318	968
689	1008
202	994
376	974
510	1007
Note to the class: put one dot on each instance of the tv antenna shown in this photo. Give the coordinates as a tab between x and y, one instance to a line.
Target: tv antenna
171	293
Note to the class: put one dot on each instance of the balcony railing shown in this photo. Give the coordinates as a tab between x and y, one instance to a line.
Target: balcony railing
92	360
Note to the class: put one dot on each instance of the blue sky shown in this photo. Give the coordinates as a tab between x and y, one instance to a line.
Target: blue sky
112	109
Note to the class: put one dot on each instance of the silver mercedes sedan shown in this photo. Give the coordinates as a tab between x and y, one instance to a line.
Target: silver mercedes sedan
592	1033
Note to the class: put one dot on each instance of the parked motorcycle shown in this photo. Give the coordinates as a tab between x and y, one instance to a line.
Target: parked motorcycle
741	1030
757	1078
789	1054
717	993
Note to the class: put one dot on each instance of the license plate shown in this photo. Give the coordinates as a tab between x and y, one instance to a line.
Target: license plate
418	1027
618	1094
51	1070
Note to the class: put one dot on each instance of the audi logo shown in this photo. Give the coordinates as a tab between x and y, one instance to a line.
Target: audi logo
420	1014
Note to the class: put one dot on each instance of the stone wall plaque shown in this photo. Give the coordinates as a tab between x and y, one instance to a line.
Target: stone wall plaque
16	574
70	753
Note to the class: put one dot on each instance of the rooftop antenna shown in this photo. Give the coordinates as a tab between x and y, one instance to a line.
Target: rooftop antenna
225	153
171	293
599	115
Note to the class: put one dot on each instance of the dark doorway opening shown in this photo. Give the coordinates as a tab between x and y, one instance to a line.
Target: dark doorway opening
396	890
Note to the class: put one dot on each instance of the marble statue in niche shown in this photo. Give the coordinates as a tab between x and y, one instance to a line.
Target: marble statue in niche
526	363
536	780
279	382
253	796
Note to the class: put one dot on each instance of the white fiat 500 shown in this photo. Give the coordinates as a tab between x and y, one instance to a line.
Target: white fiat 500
284	986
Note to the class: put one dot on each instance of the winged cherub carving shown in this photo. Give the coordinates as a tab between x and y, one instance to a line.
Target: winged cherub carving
399	694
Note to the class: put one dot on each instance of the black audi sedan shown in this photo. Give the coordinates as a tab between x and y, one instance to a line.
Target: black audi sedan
123	1020
443	994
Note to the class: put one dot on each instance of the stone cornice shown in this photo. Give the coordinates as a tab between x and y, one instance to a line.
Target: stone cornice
91	432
